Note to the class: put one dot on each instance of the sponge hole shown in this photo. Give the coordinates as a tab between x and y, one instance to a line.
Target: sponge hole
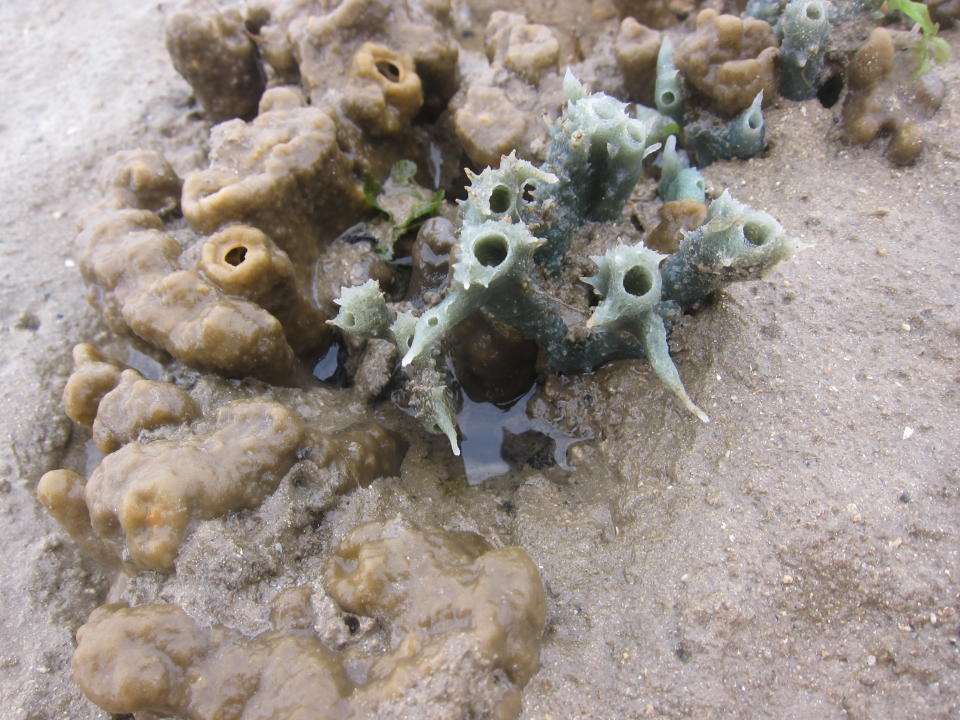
491	250
638	281
389	70
756	234
235	255
500	199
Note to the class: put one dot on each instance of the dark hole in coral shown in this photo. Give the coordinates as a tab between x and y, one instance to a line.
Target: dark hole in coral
755	234
432	321
390	71
813	11
526	192
236	255
683	653
829	91
491	250
667	97
636	222
500	199
904	498
754	121
638	281
352	624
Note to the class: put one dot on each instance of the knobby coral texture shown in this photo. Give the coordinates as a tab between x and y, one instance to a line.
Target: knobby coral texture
310	290
439	599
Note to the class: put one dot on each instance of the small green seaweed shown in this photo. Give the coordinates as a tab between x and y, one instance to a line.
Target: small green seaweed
404	203
919	13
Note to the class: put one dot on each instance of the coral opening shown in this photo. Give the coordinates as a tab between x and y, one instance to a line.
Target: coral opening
491	250
390	71
500	199
235	256
756	234
638	281
813	11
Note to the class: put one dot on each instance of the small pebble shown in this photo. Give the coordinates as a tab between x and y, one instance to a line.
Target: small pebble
882	251
907	433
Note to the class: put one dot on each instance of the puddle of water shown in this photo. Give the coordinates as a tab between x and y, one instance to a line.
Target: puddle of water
145	365
331	368
484	427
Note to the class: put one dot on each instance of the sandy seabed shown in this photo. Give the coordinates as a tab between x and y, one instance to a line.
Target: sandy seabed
799	557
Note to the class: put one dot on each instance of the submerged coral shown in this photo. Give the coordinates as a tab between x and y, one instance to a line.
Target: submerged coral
214	53
805	27
887	97
148	492
520	217
444	599
728	60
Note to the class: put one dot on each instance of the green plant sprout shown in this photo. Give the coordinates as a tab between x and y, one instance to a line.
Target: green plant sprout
919	13
404	203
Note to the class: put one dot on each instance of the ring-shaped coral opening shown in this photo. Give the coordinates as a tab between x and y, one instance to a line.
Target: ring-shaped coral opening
349	319
756	234
667	97
235	255
754	121
501	198
491	250
638	280
813	11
